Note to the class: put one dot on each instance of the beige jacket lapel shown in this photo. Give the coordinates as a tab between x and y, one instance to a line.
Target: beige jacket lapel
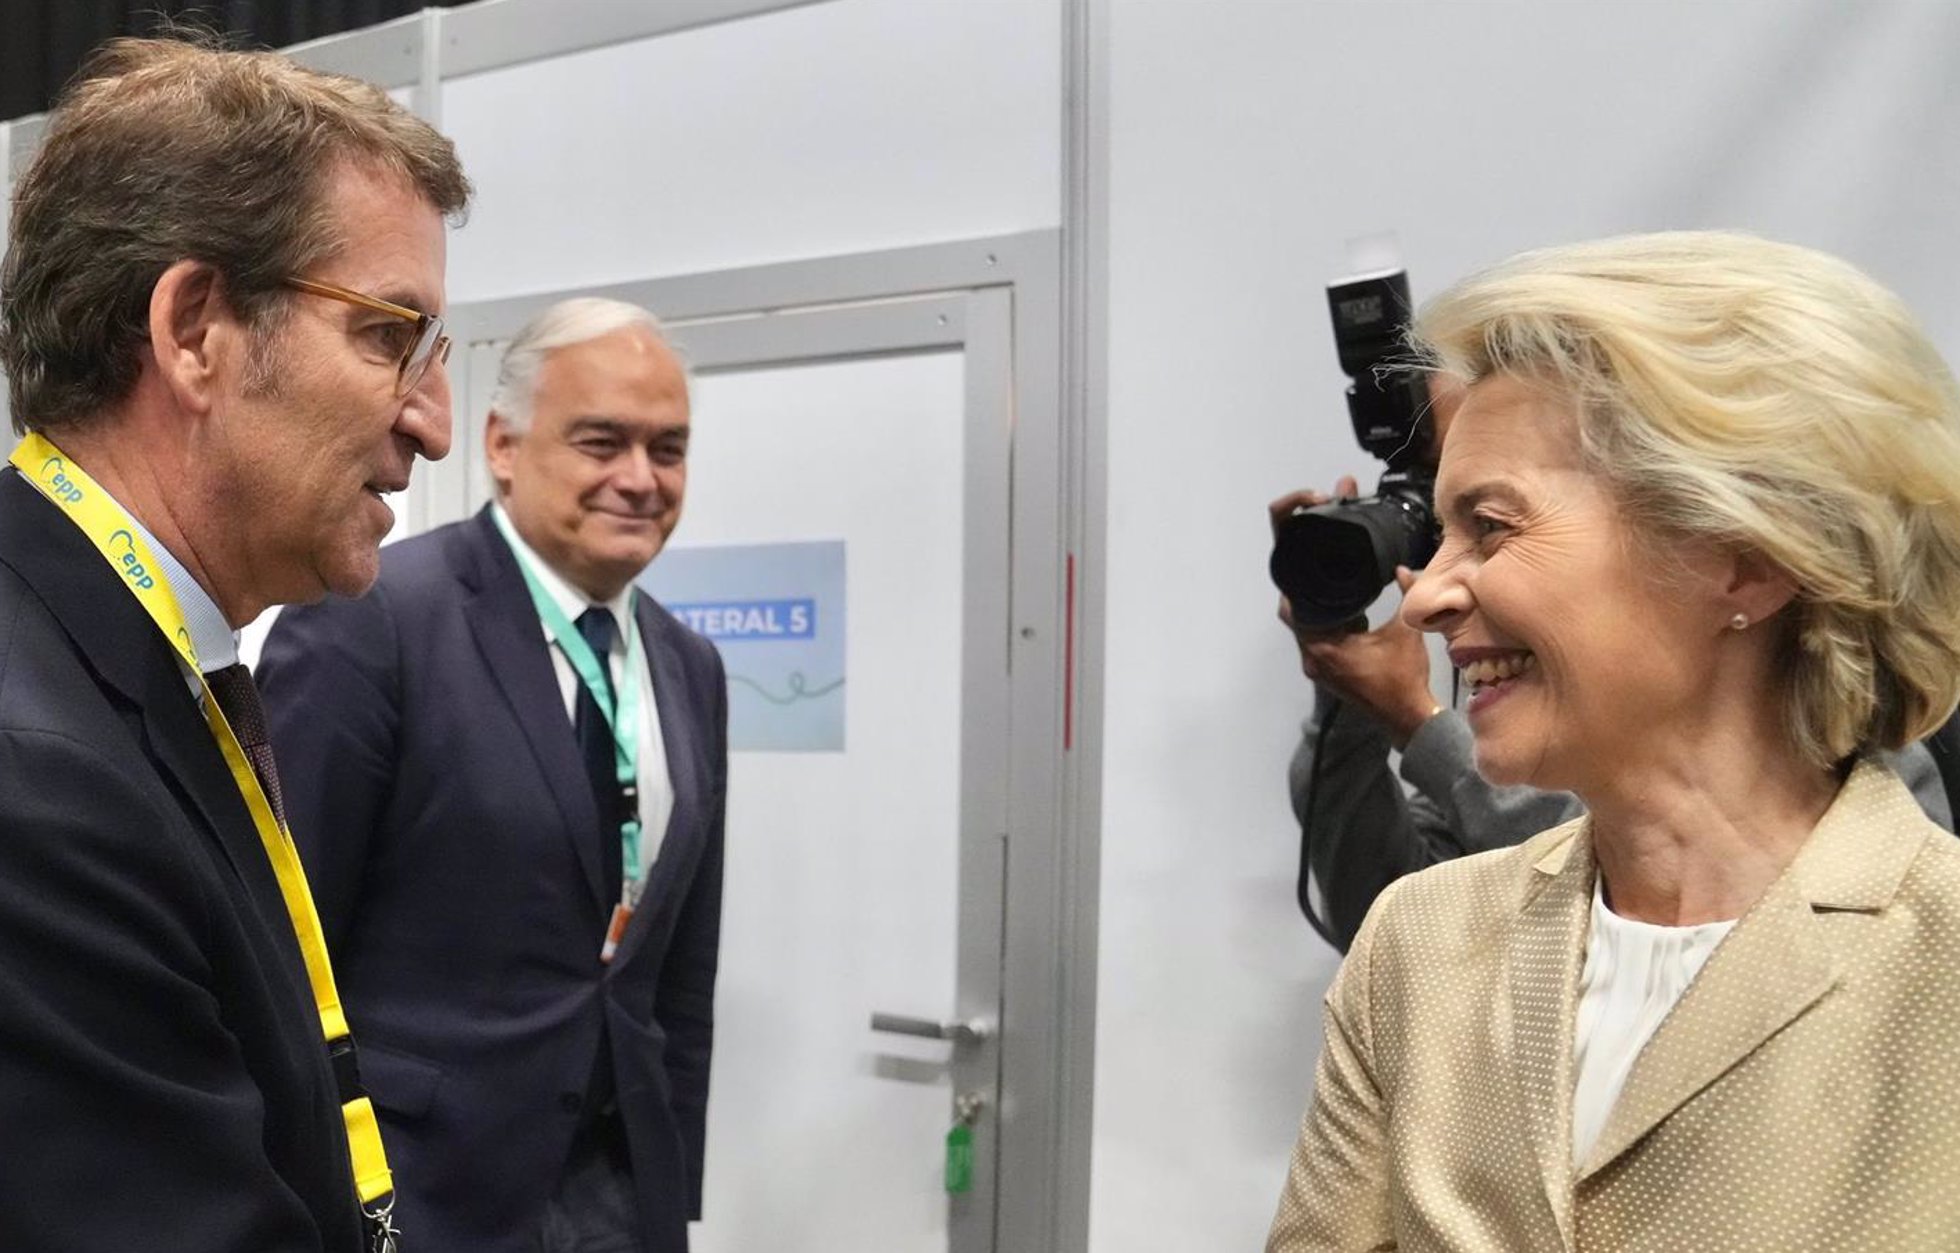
1775	964
1546	950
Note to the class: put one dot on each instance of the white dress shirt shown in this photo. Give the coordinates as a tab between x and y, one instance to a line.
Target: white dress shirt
1635	972
655	784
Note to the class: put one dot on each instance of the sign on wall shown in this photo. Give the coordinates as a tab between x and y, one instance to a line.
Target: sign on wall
776	613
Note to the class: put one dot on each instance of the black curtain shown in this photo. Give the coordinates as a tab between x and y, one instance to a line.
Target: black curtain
43	41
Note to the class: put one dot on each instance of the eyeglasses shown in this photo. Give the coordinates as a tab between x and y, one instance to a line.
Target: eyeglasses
426	343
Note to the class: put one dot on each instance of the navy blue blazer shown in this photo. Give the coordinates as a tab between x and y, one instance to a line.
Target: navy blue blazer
163	1081
436	791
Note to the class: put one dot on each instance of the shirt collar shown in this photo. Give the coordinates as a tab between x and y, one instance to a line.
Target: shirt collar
569	599
212	638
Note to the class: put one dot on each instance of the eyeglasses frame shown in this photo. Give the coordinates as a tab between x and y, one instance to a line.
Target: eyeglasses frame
423	321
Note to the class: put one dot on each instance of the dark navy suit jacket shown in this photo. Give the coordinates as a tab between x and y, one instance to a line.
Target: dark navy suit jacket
163	1081
435	788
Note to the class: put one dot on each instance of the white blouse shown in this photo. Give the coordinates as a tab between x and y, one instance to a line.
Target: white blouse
1635	972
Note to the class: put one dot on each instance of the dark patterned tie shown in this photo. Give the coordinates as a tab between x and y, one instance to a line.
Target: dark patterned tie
595	742
238	698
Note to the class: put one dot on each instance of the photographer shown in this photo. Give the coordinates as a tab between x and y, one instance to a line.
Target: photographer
1360	828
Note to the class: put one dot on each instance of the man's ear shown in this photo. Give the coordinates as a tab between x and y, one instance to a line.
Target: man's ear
500	450
192	327
1757	587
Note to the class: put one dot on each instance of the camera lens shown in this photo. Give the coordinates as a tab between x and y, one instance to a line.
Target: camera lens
1332	561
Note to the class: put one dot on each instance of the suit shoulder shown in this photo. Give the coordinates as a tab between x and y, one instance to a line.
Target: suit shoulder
41	669
417	574
426	564
14	601
1936	868
63	730
1475	895
670	632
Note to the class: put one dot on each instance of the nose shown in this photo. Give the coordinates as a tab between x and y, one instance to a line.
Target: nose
634	473
425	414
1437	599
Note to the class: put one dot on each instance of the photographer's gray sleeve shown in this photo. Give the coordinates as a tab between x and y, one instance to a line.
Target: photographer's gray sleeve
1916	768
1440	763
1360	829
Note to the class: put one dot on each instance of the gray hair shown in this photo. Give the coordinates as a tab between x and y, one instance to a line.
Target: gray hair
569	322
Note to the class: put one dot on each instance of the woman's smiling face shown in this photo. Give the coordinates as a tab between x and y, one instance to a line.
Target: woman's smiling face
1571	642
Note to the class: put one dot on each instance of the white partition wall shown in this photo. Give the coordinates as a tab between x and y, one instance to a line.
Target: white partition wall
1207	160
1247	142
831	128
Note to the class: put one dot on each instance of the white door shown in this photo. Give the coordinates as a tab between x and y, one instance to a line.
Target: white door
843	883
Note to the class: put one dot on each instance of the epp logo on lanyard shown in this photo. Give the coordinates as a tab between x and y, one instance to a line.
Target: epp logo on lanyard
63	486
132	568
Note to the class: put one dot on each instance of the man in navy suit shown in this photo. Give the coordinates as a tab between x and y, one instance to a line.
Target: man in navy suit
221	333
509	768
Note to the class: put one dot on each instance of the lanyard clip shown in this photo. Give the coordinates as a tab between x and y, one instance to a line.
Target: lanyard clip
380	1222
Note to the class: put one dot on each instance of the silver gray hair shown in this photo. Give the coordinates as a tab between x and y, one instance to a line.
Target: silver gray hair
569	322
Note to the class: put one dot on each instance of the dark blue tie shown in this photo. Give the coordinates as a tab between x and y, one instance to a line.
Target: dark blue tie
238	697
595	742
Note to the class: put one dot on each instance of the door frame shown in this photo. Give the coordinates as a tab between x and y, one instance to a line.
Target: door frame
999	299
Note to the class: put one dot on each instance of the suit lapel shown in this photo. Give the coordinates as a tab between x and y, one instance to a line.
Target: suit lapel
1771	968
1547	947
1776	964
182	744
129	655
678	728
511	638
181	741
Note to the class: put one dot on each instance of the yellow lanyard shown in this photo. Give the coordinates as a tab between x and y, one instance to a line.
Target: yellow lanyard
106	526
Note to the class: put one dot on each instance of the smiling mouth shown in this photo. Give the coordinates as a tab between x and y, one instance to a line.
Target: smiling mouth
1490	673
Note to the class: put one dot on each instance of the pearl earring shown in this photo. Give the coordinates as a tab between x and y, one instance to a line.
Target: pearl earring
1739	623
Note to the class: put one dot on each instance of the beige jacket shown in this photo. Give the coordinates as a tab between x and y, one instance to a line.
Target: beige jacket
1804	1094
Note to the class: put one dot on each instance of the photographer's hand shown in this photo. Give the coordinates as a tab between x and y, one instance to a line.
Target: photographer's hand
1384	672
1282	509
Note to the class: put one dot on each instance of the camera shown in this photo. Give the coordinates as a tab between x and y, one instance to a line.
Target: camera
1331	561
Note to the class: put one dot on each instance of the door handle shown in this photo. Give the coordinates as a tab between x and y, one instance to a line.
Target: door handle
972	1031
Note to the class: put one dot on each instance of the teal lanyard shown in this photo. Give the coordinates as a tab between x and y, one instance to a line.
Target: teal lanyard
624	721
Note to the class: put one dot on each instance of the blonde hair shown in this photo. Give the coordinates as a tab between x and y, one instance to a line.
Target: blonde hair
1770	399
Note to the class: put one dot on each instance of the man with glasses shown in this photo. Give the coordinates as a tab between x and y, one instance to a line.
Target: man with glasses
413	338
508	770
219	322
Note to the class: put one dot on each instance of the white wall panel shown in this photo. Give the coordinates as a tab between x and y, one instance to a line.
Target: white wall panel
1248	141
842	127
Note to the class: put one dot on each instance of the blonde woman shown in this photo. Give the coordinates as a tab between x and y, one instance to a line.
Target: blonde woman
1700	566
